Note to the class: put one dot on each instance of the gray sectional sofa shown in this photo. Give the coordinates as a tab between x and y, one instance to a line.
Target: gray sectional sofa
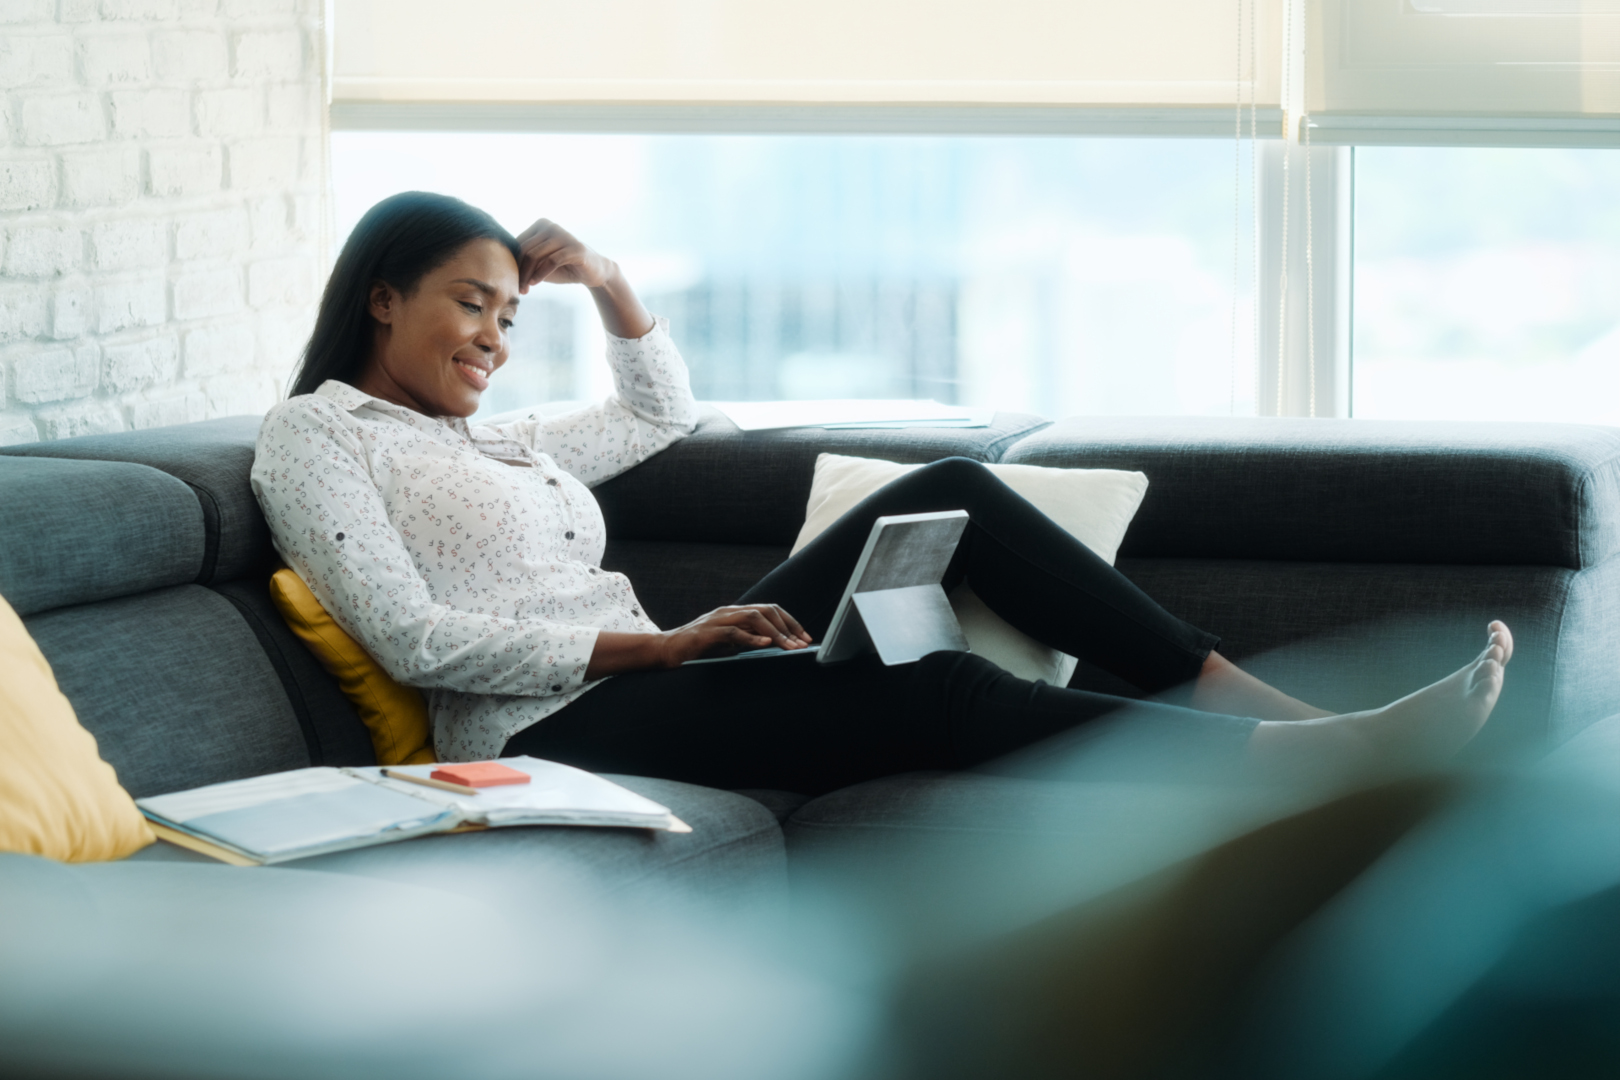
1347	562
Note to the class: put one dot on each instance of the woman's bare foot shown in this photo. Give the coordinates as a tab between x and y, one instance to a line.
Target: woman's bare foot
1420	730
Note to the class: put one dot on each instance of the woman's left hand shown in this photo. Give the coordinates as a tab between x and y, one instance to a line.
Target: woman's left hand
551	253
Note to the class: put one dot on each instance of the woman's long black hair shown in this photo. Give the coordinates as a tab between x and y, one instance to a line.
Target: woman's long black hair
401	239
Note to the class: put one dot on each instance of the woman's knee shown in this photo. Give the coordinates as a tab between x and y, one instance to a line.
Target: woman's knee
957	676
957	475
956	468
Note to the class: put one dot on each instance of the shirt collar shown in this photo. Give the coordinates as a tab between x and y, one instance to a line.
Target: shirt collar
349	397
486	440
353	399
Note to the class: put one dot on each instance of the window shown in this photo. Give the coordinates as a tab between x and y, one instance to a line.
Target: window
1053	275
945	206
1487	284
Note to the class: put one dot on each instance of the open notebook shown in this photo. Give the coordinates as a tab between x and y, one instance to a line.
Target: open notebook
292	815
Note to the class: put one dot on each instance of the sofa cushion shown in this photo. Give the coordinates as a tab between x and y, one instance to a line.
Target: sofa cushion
58	798
175	688
73	532
733	857
1356	490
726	486
781	804
333	731
214	457
1095	506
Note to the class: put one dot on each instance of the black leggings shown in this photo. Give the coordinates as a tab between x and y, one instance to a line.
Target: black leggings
791	723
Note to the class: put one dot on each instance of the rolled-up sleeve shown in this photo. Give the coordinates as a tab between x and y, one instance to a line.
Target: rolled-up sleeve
329	522
652	407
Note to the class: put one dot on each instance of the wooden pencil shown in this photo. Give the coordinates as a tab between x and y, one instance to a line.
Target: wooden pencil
442	785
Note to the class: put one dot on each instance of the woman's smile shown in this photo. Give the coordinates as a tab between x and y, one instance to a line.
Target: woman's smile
475	371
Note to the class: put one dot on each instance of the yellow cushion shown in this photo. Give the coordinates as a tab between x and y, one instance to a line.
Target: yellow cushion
57	797
396	715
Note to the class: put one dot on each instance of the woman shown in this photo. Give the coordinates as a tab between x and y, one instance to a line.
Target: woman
466	560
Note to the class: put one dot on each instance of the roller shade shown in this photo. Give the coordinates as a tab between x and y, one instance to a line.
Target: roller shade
1464	72
889	64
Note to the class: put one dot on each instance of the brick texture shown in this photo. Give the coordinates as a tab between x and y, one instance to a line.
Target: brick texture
51	373
161	201
120	57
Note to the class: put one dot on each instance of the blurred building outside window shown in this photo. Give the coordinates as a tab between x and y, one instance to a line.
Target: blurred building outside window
1487	284
1059	276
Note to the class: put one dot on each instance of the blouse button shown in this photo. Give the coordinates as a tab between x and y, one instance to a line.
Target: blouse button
556	689
569	535
552	481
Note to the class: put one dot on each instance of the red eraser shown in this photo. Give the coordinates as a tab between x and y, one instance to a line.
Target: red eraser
480	774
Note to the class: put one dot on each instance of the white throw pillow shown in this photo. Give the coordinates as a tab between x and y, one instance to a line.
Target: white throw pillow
1095	506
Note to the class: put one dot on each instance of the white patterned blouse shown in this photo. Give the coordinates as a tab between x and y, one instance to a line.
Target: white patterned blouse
467	559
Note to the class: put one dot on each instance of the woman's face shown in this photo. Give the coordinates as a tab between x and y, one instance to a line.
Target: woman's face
435	350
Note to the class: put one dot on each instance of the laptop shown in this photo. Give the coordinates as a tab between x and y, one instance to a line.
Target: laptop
894	604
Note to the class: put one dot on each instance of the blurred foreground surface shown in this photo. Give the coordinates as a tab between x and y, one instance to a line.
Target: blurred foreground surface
1058	916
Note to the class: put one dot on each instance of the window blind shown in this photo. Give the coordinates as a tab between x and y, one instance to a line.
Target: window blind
1463	72
1142	67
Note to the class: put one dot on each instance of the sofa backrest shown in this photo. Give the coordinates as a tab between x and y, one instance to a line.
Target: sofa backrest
1355	490
117	569
101	559
212	458
78	532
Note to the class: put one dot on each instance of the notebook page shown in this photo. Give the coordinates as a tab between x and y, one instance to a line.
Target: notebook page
555	794
321	821
300	812
181	806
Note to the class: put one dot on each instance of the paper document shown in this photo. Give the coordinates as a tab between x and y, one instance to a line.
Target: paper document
850	412
305	812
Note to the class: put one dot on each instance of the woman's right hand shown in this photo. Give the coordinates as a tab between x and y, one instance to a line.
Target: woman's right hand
721	632
729	630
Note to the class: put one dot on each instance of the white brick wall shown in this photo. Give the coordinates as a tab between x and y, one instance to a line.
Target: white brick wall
160	205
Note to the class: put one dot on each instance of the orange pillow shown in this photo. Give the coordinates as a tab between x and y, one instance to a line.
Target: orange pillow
395	715
58	798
